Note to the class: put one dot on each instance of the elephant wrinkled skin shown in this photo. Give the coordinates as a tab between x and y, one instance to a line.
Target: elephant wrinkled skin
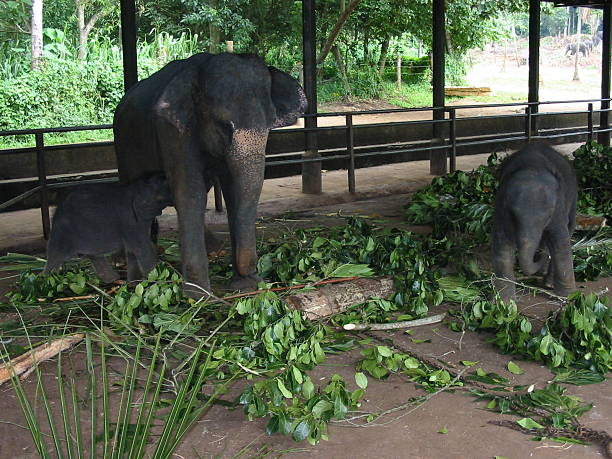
535	215
199	118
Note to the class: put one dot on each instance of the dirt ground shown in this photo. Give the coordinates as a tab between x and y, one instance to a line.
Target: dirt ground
412	433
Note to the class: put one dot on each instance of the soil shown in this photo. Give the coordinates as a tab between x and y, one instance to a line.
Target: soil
409	433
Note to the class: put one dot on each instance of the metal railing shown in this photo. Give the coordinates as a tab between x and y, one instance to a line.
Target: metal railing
449	143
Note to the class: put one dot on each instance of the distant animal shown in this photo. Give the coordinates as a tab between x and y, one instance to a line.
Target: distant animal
96	220
535	215
597	37
572	47
589	44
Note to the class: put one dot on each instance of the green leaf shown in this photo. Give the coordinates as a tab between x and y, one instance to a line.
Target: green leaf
351	270
321	407
528	423
515	369
301	431
297	375
308	389
468	363
443	430
384	351
283	389
361	380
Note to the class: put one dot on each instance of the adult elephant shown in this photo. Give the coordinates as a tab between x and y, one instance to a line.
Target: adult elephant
201	117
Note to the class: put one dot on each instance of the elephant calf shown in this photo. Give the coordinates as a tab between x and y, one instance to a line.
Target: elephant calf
535	208
95	220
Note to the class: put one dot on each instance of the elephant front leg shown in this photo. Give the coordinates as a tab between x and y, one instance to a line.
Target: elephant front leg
562	265
242	188
503	263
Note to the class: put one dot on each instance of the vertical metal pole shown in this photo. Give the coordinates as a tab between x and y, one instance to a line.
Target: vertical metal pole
453	139
128	43
604	117
437	158
350	146
42	182
528	118
534	60
218	195
590	122
311	172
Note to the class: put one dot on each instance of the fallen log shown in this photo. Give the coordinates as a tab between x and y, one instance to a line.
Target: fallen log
26	363
467	91
334	298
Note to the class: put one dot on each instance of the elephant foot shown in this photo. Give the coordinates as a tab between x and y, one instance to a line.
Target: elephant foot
245	283
564	291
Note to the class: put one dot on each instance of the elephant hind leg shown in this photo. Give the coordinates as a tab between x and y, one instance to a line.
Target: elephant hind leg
104	269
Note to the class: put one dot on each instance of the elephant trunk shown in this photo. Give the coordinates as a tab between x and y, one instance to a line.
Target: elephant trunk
527	245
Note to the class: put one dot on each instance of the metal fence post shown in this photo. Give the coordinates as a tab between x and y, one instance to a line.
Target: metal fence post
528	123
350	146
218	195
453	139
590	122
42	182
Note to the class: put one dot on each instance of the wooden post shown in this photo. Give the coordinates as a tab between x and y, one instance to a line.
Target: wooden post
398	69
229	46
437	158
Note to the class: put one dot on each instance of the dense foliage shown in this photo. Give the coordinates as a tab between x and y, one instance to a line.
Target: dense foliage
81	80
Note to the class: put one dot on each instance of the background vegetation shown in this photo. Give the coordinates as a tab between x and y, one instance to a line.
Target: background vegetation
78	79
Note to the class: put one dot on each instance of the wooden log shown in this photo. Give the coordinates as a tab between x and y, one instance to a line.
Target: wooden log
589	222
26	363
335	298
467	91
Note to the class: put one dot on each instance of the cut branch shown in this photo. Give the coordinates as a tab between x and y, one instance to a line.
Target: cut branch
26	363
395	325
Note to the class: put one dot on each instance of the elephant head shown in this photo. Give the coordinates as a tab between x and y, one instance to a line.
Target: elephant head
202	117
151	196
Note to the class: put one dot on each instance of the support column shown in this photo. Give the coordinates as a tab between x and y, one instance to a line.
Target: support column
128	43
534	61
311	172
604	117
437	158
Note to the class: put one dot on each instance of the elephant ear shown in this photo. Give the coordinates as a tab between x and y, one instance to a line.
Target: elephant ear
288	98
183	104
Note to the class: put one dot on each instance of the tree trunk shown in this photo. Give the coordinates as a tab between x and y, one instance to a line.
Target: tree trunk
382	61
37	33
366	44
342	69
578	27
85	28
336	30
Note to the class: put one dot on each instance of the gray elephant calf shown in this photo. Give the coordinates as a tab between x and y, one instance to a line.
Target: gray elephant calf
95	220
535	208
